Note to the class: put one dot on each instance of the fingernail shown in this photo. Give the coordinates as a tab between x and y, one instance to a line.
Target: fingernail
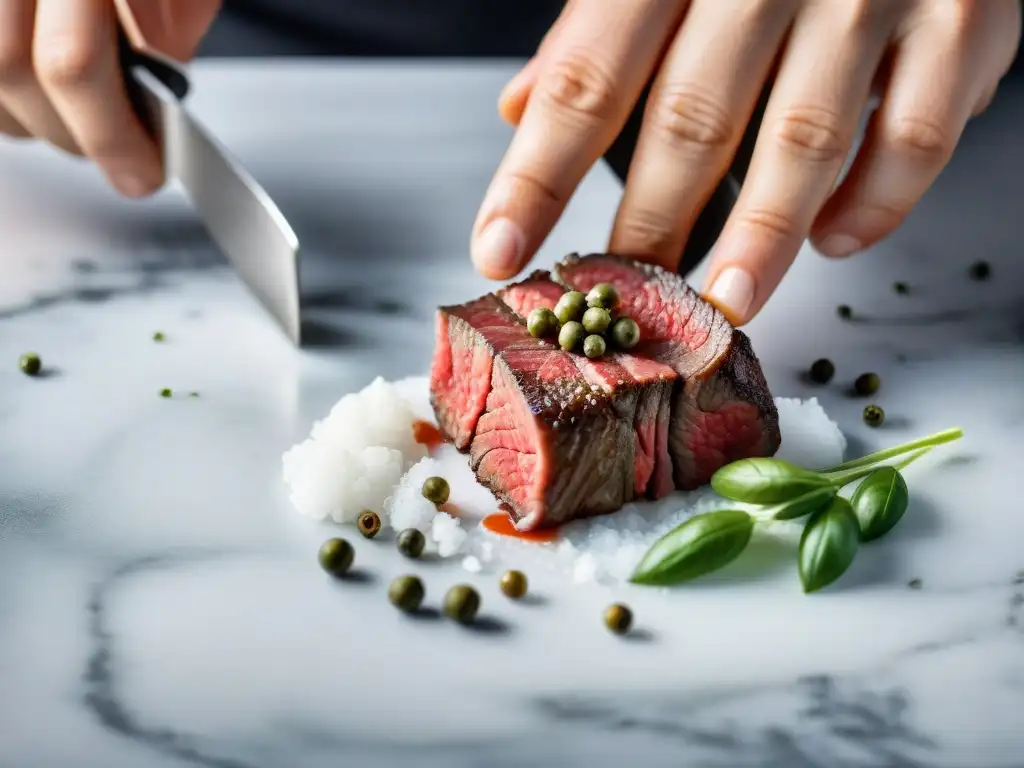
498	250
733	293
131	185
839	245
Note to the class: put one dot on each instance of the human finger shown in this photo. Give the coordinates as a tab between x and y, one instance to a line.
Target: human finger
694	119
76	58
11	127
809	126
582	97
20	92
943	74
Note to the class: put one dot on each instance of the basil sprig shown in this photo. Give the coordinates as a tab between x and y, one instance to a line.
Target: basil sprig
779	490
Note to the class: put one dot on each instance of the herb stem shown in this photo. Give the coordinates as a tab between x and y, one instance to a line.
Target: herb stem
844	478
946	436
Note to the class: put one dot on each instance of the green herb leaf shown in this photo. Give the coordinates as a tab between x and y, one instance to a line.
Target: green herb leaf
828	545
801	505
880	502
765	481
702	544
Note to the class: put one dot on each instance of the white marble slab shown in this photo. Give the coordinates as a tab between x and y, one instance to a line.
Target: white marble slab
161	606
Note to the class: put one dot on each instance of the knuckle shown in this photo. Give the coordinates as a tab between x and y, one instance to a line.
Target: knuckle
526	185
812	133
772	222
15	62
577	84
921	137
688	116
67	62
643	231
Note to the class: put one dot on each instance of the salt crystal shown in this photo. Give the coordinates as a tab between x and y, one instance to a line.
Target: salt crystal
472	564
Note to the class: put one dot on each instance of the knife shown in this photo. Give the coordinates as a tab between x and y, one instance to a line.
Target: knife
240	216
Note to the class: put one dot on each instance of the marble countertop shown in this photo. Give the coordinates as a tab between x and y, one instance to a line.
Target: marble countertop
160	605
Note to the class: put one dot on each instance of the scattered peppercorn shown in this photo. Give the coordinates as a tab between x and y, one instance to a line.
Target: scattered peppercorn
874	416
193	394
30	363
159	336
844	311
822	371
603	295
368	523
901	288
166	392
915	583
461	603
867	384
625	333
594	346
618	618
571	335
541	322
980	270
411	542
436	490
570	306
596	320
406	593
336	556
513	584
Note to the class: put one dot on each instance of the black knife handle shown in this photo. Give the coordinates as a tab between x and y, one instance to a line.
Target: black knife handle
169	73
712	219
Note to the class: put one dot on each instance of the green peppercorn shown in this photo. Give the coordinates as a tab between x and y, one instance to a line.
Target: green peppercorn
822	371
603	295
159	336
513	584
618	618
193	394
867	384
30	363
406	593
461	603
915	583
571	335
368	523
980	270
901	288
166	392
336	556
411	543
541	322
436	490
594	346
596	320
844	311
625	333
570	306
874	416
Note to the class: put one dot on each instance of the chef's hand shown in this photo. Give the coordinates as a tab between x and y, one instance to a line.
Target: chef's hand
60	80
936	63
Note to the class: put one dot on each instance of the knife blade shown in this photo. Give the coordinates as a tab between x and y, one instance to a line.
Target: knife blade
242	219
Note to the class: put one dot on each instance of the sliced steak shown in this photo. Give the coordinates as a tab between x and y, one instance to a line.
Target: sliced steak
618	373
547	437
722	410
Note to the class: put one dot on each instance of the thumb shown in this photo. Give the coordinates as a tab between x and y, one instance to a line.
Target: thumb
171	27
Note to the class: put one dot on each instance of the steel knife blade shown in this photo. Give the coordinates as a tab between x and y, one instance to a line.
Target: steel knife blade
240	216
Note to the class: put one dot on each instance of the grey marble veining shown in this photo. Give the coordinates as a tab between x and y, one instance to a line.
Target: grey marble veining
160	605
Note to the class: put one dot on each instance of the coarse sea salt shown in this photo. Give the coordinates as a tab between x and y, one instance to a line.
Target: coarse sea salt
603	549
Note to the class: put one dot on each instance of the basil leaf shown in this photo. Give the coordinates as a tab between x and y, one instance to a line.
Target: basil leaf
801	505
765	481
702	544
880	502
828	545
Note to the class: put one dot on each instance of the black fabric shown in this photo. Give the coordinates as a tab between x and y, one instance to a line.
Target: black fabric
393	28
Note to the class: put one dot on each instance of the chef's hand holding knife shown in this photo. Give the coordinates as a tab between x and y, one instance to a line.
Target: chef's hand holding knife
61	81
935	64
